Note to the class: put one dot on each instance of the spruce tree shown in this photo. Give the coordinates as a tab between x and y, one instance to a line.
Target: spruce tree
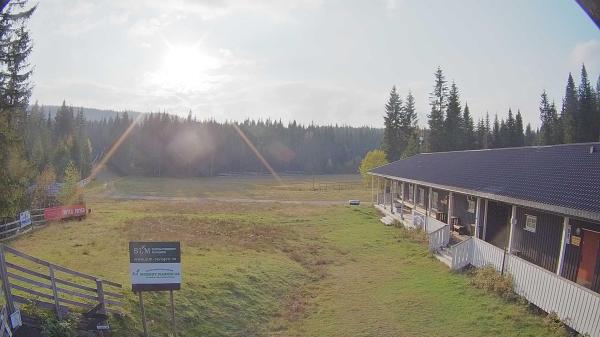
510	132
520	136
496	141
453	124
568	113
392	120
438	102
587	117
469	132
409	127
547	129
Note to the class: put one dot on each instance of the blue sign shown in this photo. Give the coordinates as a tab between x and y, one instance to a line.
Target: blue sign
25	218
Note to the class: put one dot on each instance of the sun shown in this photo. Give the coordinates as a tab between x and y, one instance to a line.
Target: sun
186	68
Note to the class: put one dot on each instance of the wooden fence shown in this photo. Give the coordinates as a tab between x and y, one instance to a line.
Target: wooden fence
15	228
576	305
29	280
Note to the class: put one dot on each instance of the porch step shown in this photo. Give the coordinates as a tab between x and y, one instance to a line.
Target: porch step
445	256
387	220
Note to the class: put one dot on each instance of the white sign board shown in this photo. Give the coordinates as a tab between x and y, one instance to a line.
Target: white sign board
25	218
155	266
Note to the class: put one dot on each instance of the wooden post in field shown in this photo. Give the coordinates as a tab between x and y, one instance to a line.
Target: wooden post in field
10	305
101	300
143	310
173	313
54	292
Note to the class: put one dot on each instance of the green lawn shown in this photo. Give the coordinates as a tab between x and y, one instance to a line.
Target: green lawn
275	269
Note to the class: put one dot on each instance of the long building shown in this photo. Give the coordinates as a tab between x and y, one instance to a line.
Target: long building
526	211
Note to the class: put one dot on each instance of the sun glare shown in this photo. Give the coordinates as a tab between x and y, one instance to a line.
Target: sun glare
187	68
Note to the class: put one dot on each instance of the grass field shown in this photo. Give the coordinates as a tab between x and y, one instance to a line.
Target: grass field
277	269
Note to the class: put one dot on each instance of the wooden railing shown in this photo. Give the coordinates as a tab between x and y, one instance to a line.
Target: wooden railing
13	229
30	280
439	238
462	254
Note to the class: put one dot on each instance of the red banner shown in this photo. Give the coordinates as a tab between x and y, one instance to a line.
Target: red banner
64	212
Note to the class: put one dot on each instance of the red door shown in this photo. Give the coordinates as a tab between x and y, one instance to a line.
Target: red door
589	254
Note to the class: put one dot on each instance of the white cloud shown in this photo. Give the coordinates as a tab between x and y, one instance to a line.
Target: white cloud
586	52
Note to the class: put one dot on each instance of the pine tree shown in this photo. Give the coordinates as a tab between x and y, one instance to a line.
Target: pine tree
409	127
520	136
15	91
438	101
530	136
511	132
496	140
547	117
392	120
453	124
587	117
469	132
568	113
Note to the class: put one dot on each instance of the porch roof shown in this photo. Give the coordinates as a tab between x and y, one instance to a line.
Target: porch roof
560	178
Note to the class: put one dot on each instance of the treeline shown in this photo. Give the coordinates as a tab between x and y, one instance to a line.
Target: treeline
160	144
451	125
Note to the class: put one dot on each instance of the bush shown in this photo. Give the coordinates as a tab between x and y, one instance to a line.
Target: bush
411	234
489	279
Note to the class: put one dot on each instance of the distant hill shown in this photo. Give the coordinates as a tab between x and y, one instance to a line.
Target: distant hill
91	114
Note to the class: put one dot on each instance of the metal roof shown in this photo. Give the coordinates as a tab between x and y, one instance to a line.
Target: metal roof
560	178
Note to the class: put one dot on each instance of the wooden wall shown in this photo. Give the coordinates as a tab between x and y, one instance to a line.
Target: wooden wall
542	247
573	252
498	224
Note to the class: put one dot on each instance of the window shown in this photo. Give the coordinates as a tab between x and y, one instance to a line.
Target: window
530	223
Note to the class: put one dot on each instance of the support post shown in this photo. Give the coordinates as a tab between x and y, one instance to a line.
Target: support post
402	201
143	310
392	183
415	188
513	222
384	191
54	292
10	305
428	208
563	245
173	313
377	192
450	208
485	214
477	214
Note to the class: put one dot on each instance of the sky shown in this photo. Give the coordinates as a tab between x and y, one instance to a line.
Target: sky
327	62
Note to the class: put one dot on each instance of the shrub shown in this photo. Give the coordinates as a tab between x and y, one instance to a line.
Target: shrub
489	279
411	234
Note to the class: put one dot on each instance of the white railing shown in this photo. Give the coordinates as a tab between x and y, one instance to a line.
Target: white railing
462	254
439	238
577	306
486	254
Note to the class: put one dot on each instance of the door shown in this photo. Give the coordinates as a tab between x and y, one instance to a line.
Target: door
589	255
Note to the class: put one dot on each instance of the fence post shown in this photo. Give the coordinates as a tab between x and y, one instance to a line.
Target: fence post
100	292
54	292
5	283
503	260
